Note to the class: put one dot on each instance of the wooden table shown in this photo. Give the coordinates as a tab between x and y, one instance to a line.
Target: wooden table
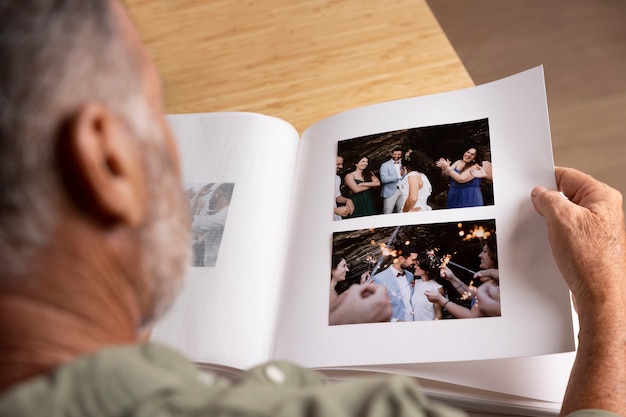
300	60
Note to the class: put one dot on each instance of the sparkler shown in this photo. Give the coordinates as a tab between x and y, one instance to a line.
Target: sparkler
370	261
445	260
478	232
383	254
461	267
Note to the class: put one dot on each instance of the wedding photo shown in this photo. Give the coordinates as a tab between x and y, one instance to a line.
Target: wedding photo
420	169
430	272
447	259
208	205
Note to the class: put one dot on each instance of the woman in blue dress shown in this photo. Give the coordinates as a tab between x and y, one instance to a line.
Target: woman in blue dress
464	188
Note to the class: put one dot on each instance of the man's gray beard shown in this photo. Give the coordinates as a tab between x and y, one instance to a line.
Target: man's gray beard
165	238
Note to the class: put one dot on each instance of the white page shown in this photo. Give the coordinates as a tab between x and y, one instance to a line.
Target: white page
541	378
536	317
509	386
226	313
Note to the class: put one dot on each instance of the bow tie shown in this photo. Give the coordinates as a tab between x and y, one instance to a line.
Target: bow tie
396	162
400	274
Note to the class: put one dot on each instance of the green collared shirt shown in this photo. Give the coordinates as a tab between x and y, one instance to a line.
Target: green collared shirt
151	380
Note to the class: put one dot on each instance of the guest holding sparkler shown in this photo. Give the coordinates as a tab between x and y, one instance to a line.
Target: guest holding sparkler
464	188
485	298
361	303
465	290
417	183
360	181
339	270
425	274
488	256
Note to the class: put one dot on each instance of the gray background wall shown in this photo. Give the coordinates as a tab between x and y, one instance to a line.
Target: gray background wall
582	45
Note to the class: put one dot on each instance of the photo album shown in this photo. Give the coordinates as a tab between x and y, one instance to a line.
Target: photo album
299	240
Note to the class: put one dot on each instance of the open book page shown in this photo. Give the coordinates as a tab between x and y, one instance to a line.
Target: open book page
532	386
238	171
542	378
507	122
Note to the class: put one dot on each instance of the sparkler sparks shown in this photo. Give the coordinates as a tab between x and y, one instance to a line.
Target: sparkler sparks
477	233
386	251
383	254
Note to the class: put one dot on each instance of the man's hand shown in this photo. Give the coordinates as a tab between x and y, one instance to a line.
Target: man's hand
586	231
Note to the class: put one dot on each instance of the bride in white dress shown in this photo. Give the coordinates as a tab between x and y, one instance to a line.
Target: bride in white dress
415	186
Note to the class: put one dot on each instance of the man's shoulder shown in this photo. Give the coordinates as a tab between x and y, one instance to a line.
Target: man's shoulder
144	381
382	274
143	371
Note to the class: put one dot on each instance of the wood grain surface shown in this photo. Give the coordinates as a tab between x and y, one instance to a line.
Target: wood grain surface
298	60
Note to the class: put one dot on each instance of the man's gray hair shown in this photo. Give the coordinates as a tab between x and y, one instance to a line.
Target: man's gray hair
56	55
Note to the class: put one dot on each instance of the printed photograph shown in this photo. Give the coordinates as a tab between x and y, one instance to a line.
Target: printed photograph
208	204
421	169
437	271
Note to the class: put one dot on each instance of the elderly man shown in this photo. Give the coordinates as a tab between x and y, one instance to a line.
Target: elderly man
94	234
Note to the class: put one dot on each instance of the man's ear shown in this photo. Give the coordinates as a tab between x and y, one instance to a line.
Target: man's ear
102	166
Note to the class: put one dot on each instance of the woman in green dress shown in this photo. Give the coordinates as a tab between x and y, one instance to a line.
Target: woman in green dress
360	181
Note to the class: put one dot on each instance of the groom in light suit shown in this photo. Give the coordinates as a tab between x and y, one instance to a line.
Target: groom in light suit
390	179
398	282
